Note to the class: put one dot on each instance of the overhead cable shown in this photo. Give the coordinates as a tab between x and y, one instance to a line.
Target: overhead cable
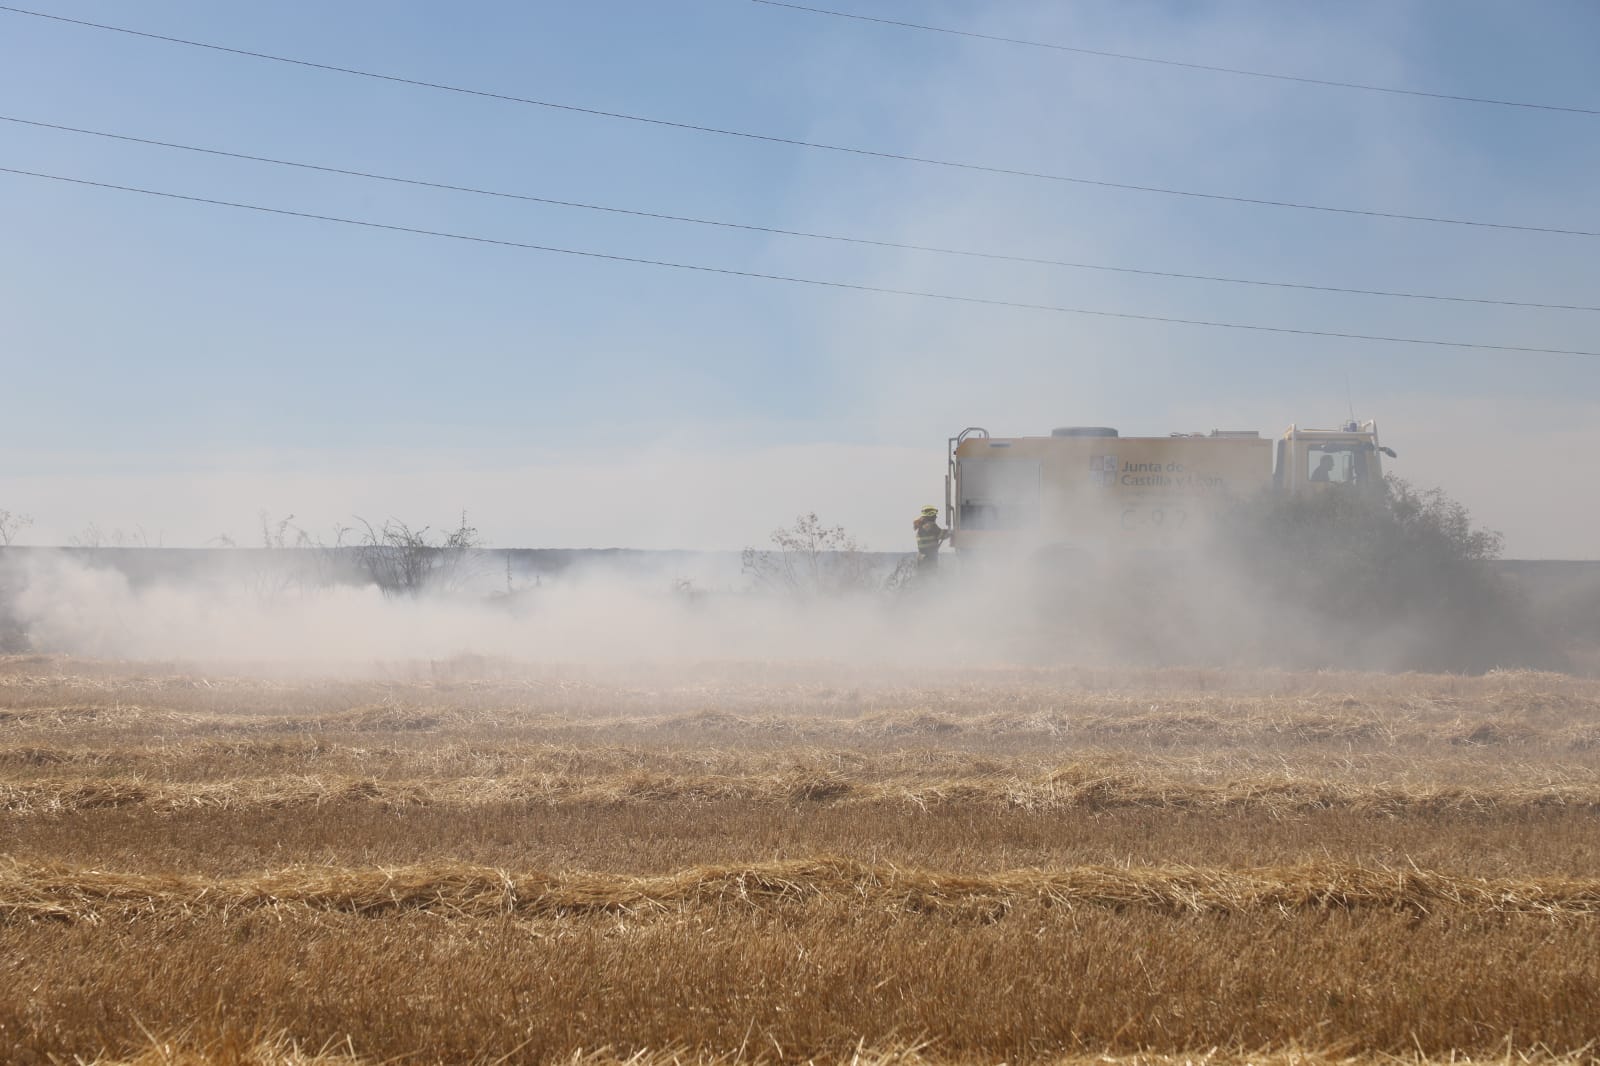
793	279
817	145
778	231
1363	86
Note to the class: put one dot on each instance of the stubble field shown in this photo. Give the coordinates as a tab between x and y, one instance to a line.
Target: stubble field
474	862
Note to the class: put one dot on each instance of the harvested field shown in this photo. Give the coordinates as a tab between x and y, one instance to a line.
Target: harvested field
475	862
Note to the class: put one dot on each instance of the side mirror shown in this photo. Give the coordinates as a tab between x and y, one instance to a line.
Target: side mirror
1389	452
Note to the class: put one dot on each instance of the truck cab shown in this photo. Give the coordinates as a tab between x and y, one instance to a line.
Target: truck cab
1317	460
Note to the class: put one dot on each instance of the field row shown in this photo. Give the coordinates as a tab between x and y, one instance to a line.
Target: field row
815	979
612	764
1574	733
1065	791
1517	711
33	892
232	1049
661	837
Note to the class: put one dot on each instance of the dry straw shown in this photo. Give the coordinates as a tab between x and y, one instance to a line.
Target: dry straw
39	892
1062	791
283	1051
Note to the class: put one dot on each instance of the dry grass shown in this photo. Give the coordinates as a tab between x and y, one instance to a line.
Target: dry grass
815	979
228	1049
1065	790
455	890
1002	710
658	839
780	862
236	1051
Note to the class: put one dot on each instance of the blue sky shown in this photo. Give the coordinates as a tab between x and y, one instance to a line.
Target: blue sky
177	368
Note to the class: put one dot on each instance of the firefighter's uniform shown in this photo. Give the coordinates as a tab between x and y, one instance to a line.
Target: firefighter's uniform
929	537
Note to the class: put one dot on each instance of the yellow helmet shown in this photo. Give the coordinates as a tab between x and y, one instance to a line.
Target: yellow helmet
934	511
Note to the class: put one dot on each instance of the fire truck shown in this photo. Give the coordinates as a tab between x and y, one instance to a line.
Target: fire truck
1088	487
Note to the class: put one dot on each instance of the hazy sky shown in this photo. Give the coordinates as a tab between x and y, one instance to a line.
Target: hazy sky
176	368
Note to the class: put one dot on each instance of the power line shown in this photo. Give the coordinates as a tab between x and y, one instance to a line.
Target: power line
818	282
817	145
809	235
1179	63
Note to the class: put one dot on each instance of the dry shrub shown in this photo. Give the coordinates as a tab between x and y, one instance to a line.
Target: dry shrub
1395	581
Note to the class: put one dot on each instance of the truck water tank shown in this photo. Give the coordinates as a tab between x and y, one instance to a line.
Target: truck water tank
1083	431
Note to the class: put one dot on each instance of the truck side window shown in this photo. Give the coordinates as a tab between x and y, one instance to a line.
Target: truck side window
1329	465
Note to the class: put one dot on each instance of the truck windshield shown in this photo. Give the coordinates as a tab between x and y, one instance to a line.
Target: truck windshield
1340	464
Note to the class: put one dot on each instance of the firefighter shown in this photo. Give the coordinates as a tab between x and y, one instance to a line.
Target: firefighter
929	537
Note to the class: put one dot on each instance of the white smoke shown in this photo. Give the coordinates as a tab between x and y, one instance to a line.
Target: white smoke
593	614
